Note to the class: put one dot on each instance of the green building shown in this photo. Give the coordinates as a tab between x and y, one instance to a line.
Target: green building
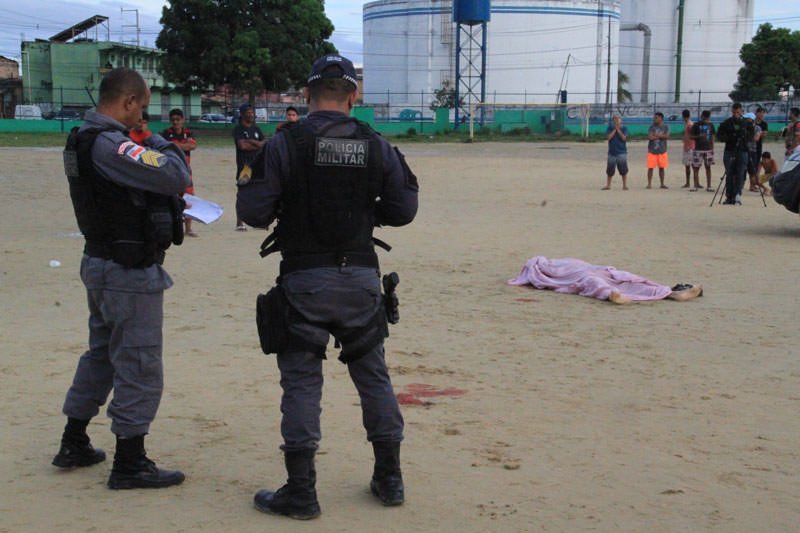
64	71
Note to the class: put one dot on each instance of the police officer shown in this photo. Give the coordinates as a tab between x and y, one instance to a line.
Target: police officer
329	180
124	195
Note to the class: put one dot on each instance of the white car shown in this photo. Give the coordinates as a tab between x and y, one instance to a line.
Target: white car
28	112
213	117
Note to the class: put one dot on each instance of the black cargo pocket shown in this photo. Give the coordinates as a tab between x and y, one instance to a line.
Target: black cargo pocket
271	320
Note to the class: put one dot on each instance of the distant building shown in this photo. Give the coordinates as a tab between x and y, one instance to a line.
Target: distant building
10	87
66	71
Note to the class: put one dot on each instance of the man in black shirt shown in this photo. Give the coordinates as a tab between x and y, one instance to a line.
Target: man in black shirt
703	135
249	140
735	133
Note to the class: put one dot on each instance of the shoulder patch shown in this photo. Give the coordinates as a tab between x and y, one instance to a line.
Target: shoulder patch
151	158
134	151
124	146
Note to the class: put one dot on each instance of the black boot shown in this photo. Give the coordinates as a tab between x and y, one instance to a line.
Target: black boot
133	470
76	449
387	480
298	497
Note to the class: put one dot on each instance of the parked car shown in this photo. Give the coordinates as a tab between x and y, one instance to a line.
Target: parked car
213	117
28	112
65	113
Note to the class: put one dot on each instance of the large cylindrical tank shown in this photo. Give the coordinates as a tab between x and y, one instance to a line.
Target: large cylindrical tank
713	33
534	48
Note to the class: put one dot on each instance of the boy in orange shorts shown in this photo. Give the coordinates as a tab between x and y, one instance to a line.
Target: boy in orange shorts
657	137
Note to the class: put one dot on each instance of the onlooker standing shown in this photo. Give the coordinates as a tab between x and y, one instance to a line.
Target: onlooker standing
703	135
657	137
761	125
179	134
292	117
617	153
249	140
792	132
688	148
735	133
141	131
753	159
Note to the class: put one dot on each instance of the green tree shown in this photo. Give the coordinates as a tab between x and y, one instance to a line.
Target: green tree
623	94
251	44
771	62
445	97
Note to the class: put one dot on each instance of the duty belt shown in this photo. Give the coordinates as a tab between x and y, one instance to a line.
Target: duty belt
97	249
333	259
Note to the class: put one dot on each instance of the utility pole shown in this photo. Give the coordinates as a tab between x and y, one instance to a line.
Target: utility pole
679	52
608	72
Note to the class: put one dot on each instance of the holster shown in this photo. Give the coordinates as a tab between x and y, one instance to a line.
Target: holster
272	320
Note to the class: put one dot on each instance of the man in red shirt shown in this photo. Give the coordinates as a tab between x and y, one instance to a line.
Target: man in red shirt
182	136
140	132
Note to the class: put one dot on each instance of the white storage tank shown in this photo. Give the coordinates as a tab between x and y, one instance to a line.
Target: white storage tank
534	48
713	33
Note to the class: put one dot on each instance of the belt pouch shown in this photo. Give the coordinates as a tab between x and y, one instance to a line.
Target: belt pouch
271	320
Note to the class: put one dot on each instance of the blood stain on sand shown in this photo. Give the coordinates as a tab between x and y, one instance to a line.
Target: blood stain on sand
415	391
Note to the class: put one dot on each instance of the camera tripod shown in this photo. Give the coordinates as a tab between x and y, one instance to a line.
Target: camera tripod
721	181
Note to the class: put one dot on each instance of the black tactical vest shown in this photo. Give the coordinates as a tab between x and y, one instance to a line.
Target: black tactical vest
328	202
112	224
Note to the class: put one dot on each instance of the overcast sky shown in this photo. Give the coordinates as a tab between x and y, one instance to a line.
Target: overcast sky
44	18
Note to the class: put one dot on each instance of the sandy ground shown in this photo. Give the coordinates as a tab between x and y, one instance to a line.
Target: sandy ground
539	411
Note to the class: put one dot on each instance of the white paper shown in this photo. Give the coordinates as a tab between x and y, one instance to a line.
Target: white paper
202	210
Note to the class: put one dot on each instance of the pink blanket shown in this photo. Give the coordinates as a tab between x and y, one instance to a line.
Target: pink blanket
573	276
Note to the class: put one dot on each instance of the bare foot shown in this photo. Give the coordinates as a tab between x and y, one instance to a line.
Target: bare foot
649	186
685	186
625	188
664	186
605	188
617	298
686	294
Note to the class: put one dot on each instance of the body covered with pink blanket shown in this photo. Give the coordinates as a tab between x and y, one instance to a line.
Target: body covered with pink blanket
573	276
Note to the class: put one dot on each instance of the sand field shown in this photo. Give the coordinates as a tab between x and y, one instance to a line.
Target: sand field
525	410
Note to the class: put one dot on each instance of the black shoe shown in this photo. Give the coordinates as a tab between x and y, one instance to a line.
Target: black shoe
387	479
133	470
389	490
298	497
76	448
72	455
143	475
300	504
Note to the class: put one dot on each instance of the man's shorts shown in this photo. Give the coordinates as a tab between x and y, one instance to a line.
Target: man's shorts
688	155
764	178
619	162
702	157
657	160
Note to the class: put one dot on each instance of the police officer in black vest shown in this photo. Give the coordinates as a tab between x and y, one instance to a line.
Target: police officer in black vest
329	180
125	199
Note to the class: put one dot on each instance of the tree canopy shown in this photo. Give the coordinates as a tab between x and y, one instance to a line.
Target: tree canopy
251	44
771	63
